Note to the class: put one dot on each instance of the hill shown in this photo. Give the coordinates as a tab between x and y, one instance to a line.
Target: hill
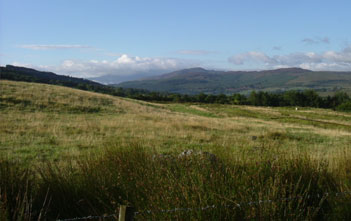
16	73
199	80
41	116
35	114
89	152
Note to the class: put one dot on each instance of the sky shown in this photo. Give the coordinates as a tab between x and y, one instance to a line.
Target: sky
93	38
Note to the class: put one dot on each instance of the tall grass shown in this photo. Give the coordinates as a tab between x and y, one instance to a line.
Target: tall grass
141	178
18	192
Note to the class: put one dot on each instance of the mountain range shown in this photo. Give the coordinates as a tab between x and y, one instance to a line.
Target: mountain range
199	80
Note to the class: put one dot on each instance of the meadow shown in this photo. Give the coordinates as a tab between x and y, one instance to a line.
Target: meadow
68	153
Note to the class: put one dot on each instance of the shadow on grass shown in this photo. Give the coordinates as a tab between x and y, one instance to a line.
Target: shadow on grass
146	180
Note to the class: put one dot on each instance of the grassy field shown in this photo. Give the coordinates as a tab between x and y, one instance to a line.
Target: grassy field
100	151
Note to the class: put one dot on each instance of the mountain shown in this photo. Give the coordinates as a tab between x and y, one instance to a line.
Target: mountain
199	80
125	76
16	73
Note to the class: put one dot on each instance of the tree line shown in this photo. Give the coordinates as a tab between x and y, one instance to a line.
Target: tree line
308	98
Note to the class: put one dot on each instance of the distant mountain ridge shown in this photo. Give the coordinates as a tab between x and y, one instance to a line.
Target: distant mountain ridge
125	76
199	80
11	72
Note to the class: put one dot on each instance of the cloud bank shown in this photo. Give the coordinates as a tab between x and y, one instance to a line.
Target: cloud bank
124	65
328	60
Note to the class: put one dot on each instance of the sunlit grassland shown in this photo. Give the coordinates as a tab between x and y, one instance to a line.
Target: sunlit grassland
92	141
63	122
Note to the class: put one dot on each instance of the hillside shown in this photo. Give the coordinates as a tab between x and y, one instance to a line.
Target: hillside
16	73
41	121
11	72
88	153
51	119
199	80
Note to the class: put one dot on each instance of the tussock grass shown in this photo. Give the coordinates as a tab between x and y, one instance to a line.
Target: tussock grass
136	176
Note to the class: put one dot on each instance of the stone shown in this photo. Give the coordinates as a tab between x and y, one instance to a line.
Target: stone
202	154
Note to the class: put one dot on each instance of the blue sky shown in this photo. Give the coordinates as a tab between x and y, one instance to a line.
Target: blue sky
94	38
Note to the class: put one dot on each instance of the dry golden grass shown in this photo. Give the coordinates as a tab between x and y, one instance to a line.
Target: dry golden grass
44	122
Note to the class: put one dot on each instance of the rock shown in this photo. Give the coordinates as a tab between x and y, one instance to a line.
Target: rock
202	154
185	153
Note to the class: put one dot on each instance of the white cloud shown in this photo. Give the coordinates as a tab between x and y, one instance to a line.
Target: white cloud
122	66
51	47
328	60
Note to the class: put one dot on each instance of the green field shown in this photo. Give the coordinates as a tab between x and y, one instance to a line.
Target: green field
90	152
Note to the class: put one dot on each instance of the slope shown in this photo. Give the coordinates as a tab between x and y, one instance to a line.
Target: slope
44	122
41	121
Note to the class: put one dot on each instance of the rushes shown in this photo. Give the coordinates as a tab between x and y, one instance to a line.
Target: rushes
96	185
15	192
